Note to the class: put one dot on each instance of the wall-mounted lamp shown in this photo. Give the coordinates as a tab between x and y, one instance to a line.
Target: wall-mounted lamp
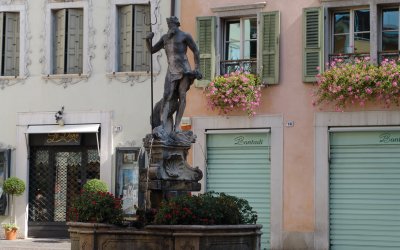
59	116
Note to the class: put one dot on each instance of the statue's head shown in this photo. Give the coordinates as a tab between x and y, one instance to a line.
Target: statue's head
173	20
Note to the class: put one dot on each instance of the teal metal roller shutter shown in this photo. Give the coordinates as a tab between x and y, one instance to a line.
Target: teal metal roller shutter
239	165
364	202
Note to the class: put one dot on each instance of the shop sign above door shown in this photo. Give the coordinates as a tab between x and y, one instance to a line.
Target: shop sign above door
63	139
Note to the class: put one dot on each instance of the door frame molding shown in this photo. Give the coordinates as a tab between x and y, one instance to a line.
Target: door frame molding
273	122
322	122
21	167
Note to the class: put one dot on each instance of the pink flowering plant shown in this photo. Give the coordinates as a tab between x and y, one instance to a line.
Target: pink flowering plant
357	82
237	90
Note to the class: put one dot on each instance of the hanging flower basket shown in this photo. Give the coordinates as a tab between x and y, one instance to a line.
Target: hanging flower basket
238	90
355	83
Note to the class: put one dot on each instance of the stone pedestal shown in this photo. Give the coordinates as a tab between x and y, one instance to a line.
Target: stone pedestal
168	171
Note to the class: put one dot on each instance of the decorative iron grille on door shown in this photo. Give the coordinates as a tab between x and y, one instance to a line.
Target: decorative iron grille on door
56	176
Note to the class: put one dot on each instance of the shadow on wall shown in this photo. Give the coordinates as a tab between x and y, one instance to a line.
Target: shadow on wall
298	240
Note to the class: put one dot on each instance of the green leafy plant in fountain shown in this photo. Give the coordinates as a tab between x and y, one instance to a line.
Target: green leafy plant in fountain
238	90
357	82
205	209
100	207
15	187
95	185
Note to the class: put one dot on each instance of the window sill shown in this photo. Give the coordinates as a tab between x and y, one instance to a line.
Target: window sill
64	76
9	78
127	74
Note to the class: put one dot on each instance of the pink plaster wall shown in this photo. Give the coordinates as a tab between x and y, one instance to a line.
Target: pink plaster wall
291	97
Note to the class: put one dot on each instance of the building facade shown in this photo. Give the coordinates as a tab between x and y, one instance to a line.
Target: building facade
319	179
76	100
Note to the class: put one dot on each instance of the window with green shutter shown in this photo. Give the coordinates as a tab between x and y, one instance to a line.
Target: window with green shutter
269	52
133	27
9	43
312	43
249	43
206	41
68	41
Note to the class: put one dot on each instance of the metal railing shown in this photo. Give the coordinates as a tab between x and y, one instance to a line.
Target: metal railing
391	55
249	65
348	57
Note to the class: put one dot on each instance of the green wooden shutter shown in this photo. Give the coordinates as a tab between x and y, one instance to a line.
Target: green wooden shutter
238	164
75	41
269	57
59	41
364	190
206	41
141	55
312	43
125	38
11	44
1	40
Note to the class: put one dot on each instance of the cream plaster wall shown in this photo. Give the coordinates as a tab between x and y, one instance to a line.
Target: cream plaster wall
127	104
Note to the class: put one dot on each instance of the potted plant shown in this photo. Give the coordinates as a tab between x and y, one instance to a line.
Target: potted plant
12	186
238	90
10	230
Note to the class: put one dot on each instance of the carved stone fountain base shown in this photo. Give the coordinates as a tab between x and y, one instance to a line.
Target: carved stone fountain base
168	171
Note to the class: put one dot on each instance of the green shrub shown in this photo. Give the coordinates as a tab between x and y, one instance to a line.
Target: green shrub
95	185
14	186
100	207
205	209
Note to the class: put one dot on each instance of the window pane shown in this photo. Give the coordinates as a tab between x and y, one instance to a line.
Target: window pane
341	44
250	29
250	49
390	19
361	20
232	51
390	40
341	22
233	31
361	42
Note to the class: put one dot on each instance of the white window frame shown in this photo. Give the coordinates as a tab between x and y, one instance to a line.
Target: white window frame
111	32
381	8
49	36
242	38
374	6
233	12
23	49
242	41
351	28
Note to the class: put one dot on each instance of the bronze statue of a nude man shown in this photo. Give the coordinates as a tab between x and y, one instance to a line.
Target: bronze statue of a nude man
179	76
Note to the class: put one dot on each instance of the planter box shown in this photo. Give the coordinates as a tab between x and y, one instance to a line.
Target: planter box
163	237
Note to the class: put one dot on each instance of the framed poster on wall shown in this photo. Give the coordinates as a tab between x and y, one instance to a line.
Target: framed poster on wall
127	183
